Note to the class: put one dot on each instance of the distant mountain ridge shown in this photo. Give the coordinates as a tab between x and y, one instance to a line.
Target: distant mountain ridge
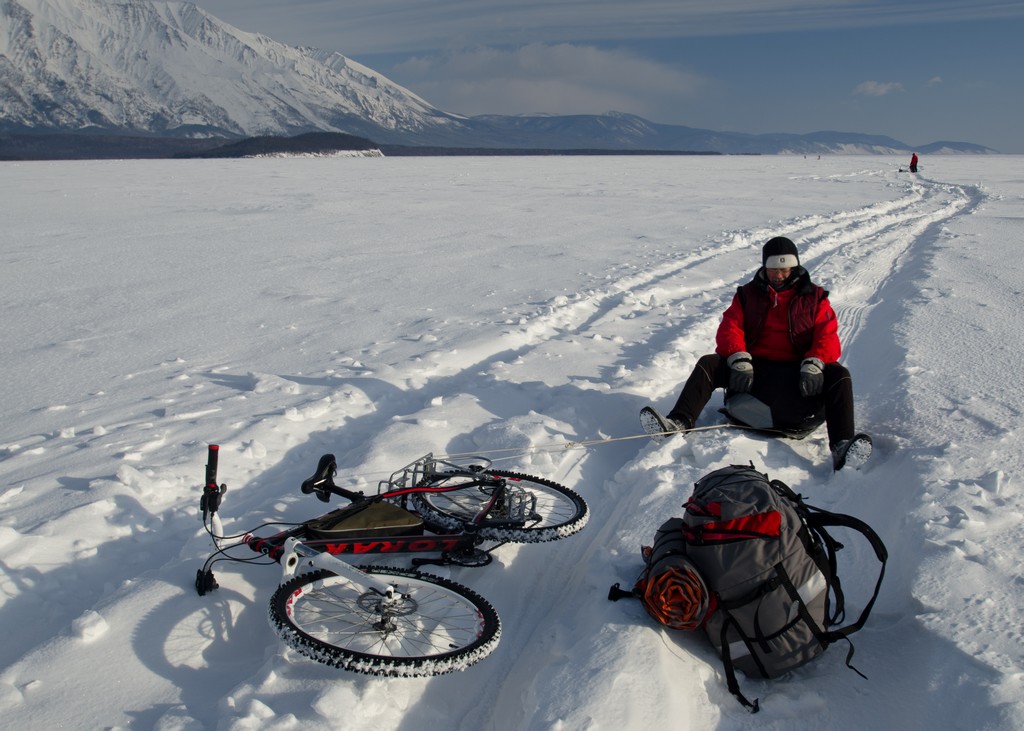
151	69
628	131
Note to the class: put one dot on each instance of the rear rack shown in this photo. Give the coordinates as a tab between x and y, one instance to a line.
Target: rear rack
414	473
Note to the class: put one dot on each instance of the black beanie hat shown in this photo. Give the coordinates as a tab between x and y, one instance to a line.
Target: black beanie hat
780	253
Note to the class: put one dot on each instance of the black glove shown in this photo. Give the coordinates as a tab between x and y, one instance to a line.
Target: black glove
741	376
812	377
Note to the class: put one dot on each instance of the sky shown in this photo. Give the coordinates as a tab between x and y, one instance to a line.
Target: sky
919	71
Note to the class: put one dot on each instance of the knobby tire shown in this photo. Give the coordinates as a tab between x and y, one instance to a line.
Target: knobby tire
438	627
560	512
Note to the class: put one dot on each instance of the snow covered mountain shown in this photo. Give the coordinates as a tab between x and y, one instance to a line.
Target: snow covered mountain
172	68
131	67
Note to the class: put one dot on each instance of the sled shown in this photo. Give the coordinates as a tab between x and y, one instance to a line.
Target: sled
740	413
746	411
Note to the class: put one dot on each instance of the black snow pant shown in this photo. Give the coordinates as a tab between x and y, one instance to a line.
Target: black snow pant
777	384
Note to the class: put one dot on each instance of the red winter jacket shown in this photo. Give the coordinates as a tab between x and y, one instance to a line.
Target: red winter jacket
789	325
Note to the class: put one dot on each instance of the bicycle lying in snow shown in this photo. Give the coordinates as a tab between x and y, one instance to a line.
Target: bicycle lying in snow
390	621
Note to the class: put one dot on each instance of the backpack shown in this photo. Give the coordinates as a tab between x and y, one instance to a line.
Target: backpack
767	567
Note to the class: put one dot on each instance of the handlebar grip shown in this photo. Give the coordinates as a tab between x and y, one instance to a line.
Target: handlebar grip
211	465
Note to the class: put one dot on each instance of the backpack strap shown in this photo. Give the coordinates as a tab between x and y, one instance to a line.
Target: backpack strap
823	549
730	670
818	520
616	592
805	614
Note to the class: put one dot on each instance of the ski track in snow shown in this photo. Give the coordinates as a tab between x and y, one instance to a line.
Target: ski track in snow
864	256
856	250
855	253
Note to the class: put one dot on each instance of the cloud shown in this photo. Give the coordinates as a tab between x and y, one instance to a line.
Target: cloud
934	81
878	88
560	78
357	27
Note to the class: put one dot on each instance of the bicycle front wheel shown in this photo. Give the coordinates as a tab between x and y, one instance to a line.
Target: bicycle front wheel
554	511
432	626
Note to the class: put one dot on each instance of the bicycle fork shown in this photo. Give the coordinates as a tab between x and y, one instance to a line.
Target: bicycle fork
298	558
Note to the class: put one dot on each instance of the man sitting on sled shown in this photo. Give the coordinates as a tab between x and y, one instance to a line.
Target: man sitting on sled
777	352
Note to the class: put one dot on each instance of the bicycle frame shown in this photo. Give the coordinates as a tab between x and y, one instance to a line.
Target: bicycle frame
274	547
295	548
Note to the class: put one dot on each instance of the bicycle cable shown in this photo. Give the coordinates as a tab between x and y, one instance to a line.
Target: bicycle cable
239	536
580	444
546	448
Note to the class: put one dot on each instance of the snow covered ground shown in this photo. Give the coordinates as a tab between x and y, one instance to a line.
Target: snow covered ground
385	308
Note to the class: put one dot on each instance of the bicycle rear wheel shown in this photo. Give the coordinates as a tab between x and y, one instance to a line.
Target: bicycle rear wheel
435	626
556	511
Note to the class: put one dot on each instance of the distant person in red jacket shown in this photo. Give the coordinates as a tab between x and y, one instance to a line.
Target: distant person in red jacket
913	163
778	340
